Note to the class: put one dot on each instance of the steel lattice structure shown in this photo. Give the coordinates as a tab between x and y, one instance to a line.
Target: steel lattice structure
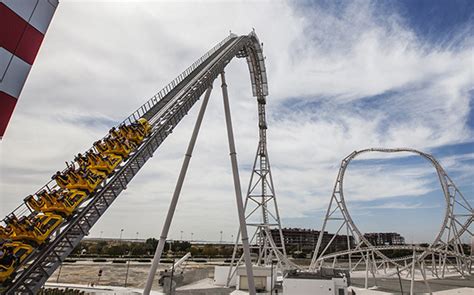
164	111
445	252
261	209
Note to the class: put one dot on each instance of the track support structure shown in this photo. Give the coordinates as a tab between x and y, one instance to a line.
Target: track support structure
238	190
176	194
262	216
446	250
163	111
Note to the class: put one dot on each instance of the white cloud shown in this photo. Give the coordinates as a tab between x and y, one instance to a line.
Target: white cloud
398	205
103	60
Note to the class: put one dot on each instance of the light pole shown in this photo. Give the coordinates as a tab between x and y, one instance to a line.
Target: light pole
128	266
136	238
192	234
221	236
101	232
271	279
120	242
181	235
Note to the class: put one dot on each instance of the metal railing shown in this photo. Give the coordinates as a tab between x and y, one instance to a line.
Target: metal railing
144	108
23	210
44	264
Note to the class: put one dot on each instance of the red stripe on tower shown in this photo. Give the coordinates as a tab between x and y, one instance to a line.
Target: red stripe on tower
18	36
23	24
7	105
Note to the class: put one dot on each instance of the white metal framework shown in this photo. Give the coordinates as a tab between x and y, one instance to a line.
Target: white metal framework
163	111
261	208
249	48
444	254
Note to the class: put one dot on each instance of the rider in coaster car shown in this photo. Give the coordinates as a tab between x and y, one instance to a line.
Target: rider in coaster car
61	176
114	133
125	142
29	223
86	174
6	256
71	171
81	160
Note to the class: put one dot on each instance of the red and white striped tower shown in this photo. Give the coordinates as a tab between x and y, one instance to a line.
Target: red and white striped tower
23	24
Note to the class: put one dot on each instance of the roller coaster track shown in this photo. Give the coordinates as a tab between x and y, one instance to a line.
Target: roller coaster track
458	218
395	247
164	111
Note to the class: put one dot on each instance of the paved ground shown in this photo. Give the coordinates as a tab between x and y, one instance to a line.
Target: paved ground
114	274
393	285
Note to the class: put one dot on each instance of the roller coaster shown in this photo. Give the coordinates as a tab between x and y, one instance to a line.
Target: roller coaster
39	234
445	253
55	204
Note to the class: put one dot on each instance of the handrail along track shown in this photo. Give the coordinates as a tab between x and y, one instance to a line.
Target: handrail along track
164	111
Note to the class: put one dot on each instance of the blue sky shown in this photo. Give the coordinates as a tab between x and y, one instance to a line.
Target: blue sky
434	21
343	76
435	25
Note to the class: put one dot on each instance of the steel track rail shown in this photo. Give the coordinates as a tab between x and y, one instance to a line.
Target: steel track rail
397	247
166	114
449	191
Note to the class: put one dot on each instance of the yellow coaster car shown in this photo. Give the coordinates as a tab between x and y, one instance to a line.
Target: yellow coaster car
134	133
129	139
114	146
81	179
103	163
131	134
33	229
4	232
120	142
145	126
12	255
62	202
83	163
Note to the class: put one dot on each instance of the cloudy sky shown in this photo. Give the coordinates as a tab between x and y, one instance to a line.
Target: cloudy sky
343	76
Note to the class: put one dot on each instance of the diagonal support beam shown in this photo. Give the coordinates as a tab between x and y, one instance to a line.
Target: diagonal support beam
177	192
237	187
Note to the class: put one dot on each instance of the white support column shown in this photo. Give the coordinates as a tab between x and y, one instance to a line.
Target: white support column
413	269
366	282
425	279
374	269
238	190
177	191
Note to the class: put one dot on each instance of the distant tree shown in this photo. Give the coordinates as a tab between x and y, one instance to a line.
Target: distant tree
210	251
195	251
138	249
226	251
116	250
101	246
291	249
77	250
298	254
181	246
96	248
151	244
467	249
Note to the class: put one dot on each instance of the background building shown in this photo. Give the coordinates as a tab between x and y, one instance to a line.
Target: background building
305	240
379	239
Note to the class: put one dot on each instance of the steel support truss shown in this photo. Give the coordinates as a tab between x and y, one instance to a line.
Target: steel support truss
164	111
444	254
261	208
